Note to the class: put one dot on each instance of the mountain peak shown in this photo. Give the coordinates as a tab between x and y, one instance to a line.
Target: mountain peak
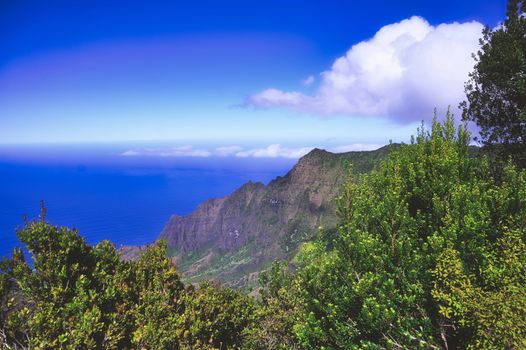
231	238
317	152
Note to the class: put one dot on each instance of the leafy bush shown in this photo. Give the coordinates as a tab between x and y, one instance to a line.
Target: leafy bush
276	314
79	296
430	254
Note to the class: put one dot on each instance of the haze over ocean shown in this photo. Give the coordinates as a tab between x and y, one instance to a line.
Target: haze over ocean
126	200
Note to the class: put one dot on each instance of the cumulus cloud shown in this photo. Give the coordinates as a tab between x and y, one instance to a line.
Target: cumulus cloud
308	81
182	151
403	72
227	151
275	151
274	97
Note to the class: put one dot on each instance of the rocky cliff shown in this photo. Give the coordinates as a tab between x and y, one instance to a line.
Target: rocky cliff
231	239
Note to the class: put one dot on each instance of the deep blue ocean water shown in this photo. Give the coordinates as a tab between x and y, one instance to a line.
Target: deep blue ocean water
126	200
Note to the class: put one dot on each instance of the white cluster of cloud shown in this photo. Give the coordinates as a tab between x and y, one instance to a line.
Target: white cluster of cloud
275	151
182	151
308	81
405	71
271	151
227	151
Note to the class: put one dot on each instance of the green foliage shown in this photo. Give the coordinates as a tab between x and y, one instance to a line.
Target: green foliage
68	304
216	317
5	273
496	91
5	277
427	256
84	297
158	301
275	317
490	313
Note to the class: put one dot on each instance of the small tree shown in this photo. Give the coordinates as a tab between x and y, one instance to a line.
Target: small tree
496	90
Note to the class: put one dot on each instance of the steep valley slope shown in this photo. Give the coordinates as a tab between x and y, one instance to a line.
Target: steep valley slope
232	239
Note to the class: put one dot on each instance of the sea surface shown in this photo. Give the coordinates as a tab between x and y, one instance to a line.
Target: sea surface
105	195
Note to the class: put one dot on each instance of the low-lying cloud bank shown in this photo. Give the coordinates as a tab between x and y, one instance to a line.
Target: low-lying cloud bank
405	71
271	151
183	151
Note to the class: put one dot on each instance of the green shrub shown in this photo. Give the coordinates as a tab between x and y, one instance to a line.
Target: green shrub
429	254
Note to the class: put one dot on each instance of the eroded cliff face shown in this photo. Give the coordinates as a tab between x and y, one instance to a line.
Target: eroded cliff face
231	239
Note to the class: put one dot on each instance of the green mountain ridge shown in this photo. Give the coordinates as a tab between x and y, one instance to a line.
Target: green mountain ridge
232	239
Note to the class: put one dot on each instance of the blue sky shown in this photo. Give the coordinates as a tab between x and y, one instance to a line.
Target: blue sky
205	75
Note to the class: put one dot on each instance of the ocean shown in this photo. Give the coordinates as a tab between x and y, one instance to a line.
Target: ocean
105	195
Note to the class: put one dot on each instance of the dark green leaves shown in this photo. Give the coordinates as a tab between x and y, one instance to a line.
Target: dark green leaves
496	91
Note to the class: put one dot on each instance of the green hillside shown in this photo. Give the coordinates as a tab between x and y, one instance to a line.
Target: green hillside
232	239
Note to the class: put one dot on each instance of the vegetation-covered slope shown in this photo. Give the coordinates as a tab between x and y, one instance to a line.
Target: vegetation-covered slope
230	239
430	253
75	296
